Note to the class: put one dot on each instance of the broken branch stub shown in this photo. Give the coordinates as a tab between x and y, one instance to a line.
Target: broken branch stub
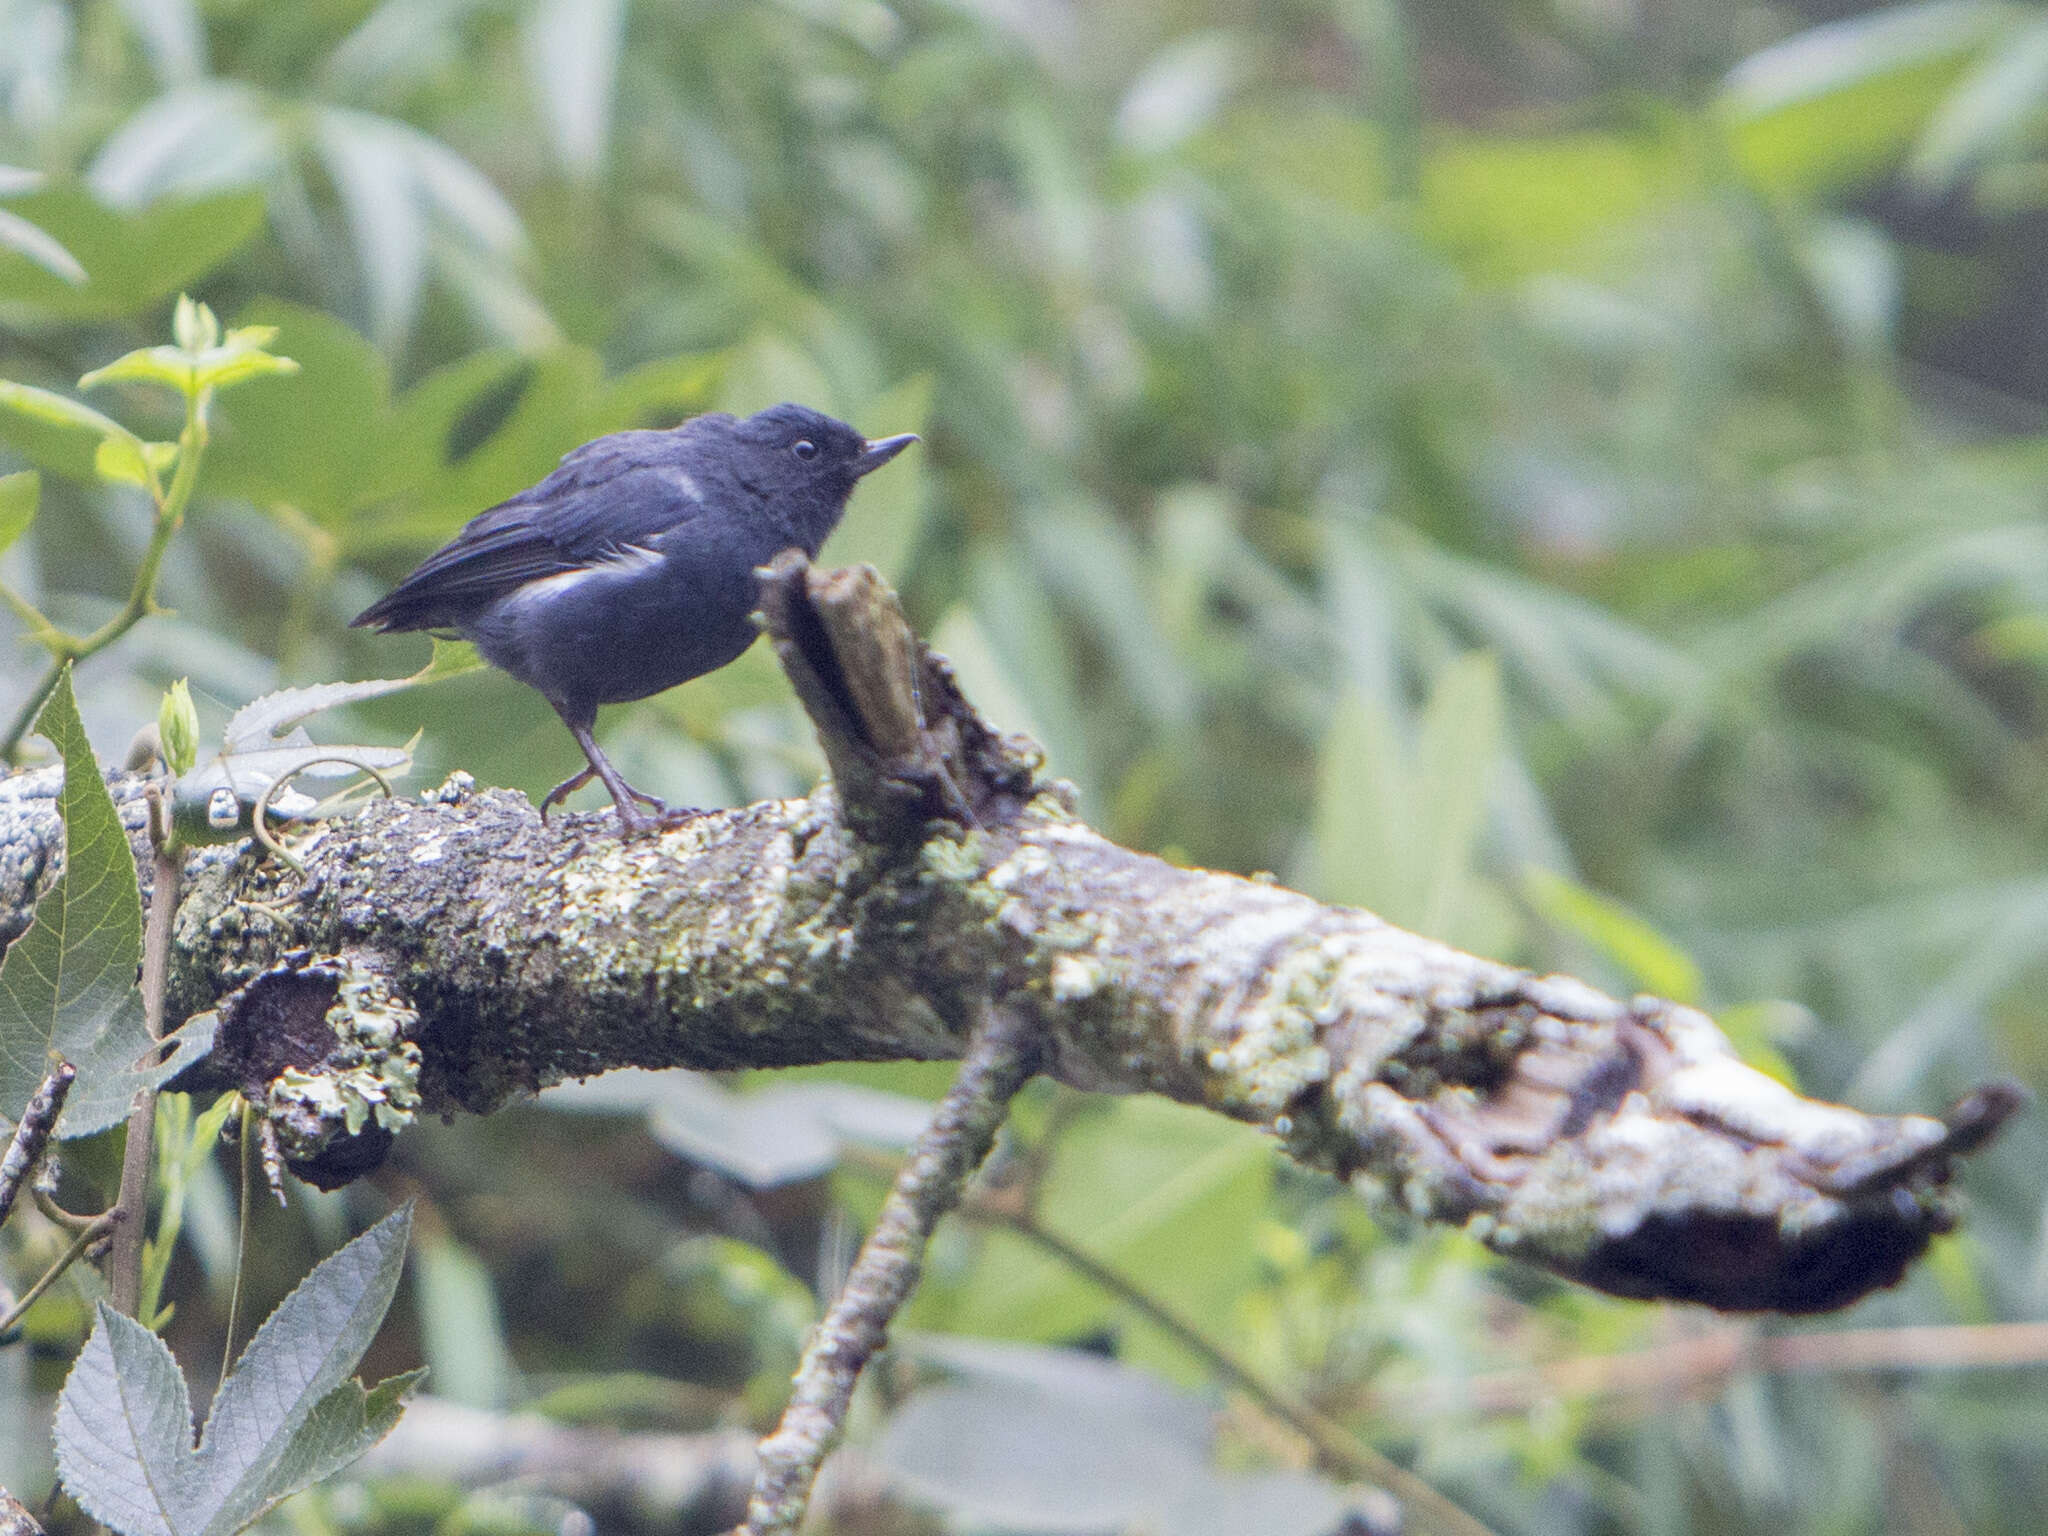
1624	1145
941	873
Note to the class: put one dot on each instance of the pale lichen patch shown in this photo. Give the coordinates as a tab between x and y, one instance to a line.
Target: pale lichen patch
371	1074
1271	1054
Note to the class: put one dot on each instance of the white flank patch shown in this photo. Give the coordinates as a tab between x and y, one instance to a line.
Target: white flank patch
626	560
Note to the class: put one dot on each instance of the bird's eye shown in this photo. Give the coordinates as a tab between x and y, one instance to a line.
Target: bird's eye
804	448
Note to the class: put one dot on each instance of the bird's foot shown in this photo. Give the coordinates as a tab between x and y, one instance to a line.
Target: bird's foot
666	818
564	790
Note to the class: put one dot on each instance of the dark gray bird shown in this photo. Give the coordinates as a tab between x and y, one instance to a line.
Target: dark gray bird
630	569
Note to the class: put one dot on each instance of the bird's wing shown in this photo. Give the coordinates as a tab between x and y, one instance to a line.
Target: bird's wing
604	498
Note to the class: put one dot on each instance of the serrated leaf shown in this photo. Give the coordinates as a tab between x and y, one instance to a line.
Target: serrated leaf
304	1351
216	802
451	658
261	723
348	1421
20	493
124	1432
286	1415
67	985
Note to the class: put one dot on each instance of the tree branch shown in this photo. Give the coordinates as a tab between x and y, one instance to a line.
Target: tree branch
456	953
856	1325
15	1520
32	1134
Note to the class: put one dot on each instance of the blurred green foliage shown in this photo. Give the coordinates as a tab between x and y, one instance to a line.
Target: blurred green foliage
1568	476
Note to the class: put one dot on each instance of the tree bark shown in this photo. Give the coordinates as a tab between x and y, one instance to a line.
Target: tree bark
454	952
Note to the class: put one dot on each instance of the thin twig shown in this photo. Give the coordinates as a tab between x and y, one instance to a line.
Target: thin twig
170	516
124	1266
70	1221
32	1134
97	1228
245	1158
998	1062
1336	1447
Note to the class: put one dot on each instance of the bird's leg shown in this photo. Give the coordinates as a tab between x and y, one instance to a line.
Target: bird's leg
574	782
631	822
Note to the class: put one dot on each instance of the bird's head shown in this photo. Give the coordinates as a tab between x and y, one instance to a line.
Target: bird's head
810	459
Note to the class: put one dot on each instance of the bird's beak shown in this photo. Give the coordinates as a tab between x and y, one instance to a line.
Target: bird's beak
879	451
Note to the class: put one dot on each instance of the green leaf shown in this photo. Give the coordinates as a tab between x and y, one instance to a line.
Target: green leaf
1362	831
1144	1187
370	162
131	260
347	1422
1508	208
20	493
462	1333
286	1415
1650	961
240	357
124	1433
1840	104
58	433
264	722
120	461
1396	831
17	234
1457	751
194	325
59	410
1997	110
572	58
67	985
177	727
324	440
491	425
451	658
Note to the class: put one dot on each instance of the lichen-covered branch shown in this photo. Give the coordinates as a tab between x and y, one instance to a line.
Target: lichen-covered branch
454	952
856	1325
15	1519
32	1134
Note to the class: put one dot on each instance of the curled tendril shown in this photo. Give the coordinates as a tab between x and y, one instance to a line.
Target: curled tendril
265	837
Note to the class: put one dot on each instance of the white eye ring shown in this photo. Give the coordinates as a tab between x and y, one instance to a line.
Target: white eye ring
804	448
